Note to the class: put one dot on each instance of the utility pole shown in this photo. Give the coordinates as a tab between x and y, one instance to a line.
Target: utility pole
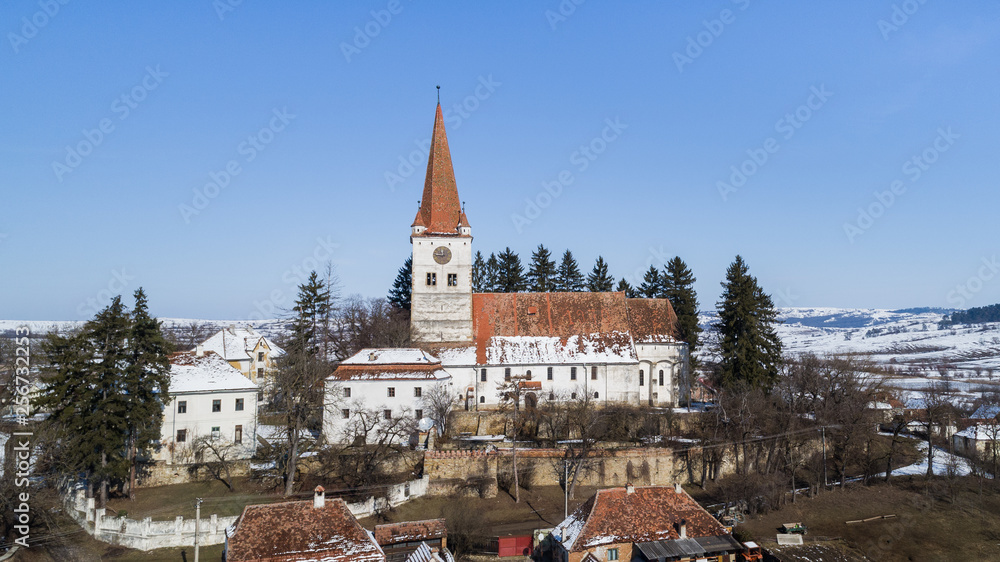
566	489
197	525
826	483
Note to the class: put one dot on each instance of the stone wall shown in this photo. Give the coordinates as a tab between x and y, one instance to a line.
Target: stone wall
162	474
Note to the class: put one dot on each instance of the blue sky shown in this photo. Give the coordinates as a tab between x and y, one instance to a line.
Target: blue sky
211	154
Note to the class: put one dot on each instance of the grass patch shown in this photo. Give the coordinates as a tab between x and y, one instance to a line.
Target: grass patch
164	503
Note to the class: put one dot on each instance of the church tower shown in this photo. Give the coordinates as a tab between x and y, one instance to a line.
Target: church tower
441	303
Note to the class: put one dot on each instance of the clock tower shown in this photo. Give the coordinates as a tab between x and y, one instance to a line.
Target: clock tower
441	302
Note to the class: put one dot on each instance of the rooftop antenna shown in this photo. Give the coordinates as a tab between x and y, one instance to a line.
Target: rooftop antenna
439	94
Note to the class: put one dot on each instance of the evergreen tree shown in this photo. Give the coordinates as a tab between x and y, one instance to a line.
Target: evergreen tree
651	286
678	287
146	382
625	287
510	274
402	287
598	280
479	274
749	344
569	278
541	273
491	275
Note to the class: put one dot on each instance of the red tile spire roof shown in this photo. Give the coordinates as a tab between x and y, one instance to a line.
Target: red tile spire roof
440	209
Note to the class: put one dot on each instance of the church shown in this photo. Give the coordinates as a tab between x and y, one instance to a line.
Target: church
556	346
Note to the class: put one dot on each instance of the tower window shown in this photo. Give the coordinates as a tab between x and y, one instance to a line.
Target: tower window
642	377
432	278
548	373
661	377
453	280
482	375
572	373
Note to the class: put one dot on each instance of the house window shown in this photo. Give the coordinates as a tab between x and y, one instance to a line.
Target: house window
612	554
260	356
593	373
345	413
548	373
596	396
238	437
419	414
661	377
182	407
418	392
347	392
642	377
482	375
572	373
391	392
216	405
482	399
528	374
387	414
182	435
260	371
432	278
239	404
506	374
453	280
216	433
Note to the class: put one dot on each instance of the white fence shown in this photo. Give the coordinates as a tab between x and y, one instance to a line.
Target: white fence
395	495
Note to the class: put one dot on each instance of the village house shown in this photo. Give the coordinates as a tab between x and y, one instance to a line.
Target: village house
414	540
642	523
209	400
379	390
981	440
245	349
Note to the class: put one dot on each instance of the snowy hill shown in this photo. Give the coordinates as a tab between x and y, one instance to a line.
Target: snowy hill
270	328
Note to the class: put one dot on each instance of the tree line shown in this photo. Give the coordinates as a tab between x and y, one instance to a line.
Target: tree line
976	315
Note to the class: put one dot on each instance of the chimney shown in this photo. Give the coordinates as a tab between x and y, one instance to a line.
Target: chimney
372	356
629	489
682	529
199	350
677	488
319	498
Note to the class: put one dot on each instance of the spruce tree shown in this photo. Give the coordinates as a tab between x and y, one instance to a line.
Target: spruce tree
678	288
749	344
651	286
541	273
598	280
402	288
510	274
491	275
569	278
479	274
625	287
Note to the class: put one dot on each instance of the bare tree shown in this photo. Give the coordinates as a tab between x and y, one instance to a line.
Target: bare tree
938	409
371	443
216	456
437	403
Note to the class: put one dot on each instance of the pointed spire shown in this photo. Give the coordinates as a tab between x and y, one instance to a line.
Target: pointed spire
440	209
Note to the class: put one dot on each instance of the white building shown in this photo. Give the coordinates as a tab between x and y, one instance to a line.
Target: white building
245	349
209	399
981	440
380	391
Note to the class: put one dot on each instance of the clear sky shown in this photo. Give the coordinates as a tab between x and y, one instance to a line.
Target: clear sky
209	152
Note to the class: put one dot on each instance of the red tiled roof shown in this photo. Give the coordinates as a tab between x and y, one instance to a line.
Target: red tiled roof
298	531
650	513
388	372
410	531
440	208
651	319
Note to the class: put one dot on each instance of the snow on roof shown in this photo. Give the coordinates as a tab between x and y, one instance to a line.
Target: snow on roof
981	432
206	373
390	356
237	344
986	412
612	347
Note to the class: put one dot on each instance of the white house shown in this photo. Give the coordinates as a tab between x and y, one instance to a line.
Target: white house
380	390
209	398
982	440
245	349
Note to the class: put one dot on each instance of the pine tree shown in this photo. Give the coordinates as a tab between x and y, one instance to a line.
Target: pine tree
651	286
146	382
510	274
625	287
479	274
541	273
569	278
491	275
402	287
678	288
598	280
749	344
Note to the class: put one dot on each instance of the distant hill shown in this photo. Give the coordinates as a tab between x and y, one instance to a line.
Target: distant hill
977	315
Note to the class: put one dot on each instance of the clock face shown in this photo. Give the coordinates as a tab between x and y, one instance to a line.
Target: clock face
442	255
